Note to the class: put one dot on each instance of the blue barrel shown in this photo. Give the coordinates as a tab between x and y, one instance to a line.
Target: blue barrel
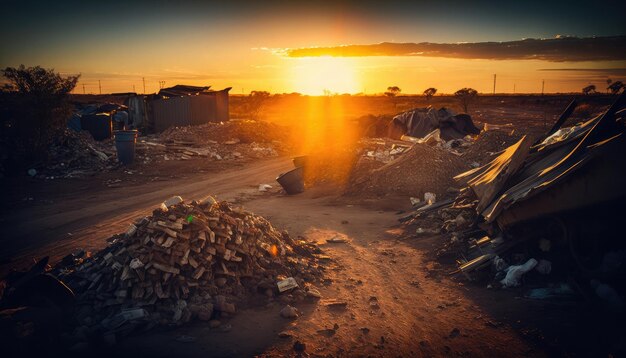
125	145
292	181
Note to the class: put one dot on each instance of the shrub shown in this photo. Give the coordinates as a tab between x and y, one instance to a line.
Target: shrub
34	108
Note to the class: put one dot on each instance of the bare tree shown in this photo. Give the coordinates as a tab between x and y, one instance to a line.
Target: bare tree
39	102
589	89
429	93
466	96
616	86
393	91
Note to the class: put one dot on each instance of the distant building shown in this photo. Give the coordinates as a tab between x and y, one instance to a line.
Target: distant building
183	105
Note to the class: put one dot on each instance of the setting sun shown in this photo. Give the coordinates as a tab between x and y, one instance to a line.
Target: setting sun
315	75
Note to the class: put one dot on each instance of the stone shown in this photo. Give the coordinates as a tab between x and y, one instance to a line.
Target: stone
299	346
312	292
285	334
289	312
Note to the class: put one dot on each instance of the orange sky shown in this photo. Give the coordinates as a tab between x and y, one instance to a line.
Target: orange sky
235	45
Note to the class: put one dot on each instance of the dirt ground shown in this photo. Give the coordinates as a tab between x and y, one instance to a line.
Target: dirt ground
399	302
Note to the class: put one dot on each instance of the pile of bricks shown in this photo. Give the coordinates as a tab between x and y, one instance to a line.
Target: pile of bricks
187	261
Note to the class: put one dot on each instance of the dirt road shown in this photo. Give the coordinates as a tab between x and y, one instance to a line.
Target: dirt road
83	216
398	304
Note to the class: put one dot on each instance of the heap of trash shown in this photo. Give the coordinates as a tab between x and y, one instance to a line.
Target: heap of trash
541	205
75	154
186	261
432	147
241	131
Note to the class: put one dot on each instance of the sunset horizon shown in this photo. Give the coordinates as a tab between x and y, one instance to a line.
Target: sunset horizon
322	48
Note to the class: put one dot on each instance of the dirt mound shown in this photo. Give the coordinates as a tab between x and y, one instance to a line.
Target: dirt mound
189	261
488	143
421	169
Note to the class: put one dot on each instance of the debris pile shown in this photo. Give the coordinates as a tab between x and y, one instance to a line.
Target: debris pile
488	144
420	169
419	122
238	131
540	202
76	154
383	150
196	260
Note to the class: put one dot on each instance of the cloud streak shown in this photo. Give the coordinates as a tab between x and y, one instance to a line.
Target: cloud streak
559	49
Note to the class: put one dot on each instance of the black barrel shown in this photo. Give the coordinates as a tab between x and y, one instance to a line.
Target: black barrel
292	181
99	125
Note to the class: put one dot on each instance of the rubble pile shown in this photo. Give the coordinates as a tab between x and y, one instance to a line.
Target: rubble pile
420	169
241	131
542	205
186	261
76	154
488	143
382	150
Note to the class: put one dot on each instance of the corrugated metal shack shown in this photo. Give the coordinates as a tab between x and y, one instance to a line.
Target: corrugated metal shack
183	105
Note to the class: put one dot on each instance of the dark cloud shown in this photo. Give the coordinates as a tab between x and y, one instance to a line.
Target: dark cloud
558	49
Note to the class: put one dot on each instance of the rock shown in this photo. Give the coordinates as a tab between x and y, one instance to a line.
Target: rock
173	201
220	282
374	302
32	172
285	334
299	346
312	292
209	201
214	323
204	312
289	312
454	333
460	221
227	307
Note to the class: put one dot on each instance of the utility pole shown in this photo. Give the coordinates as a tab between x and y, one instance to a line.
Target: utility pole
494	83
84	88
144	84
543	84
134	89
513	88
100	86
161	84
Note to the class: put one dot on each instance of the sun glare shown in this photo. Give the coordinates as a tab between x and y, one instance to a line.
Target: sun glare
320	75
